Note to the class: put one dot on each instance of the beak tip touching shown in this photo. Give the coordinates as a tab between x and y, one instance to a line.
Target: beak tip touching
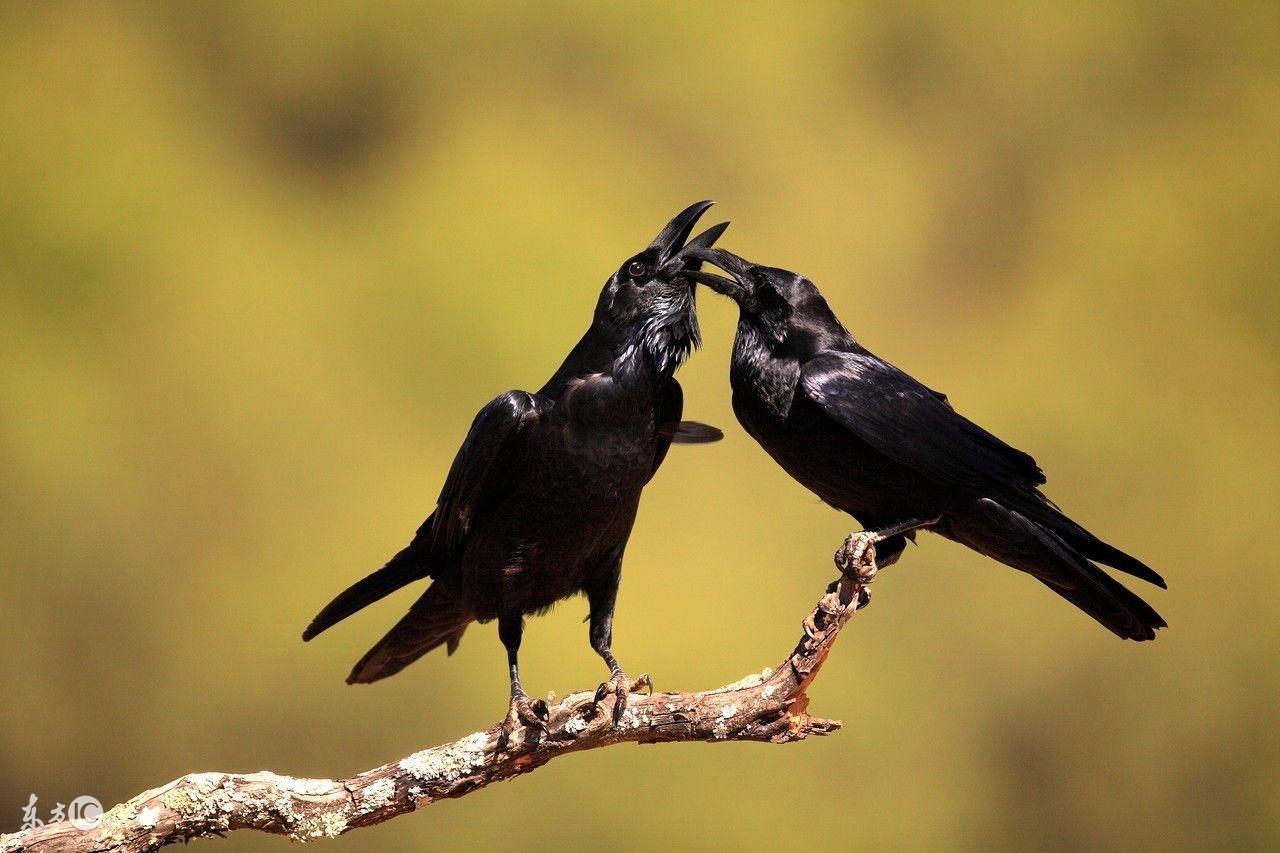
735	284
674	244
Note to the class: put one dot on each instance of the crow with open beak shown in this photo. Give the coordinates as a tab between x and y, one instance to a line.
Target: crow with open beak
873	442
541	498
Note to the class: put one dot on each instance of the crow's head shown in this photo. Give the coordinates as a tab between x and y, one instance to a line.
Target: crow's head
784	307
649	300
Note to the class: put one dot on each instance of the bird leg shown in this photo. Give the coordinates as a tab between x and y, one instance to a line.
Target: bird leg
602	596
521	711
857	556
856	560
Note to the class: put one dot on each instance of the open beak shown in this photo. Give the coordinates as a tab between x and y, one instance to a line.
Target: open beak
739	282
672	238
703	241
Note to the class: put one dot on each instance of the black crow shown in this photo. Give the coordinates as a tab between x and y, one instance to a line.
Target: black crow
873	442
540	500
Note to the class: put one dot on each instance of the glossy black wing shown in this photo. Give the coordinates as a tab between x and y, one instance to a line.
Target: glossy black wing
672	429
694	432
916	426
669	410
488	461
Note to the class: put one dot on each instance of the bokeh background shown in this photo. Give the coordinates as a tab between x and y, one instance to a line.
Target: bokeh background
260	263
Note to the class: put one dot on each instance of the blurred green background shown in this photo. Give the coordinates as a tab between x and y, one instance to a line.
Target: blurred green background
260	263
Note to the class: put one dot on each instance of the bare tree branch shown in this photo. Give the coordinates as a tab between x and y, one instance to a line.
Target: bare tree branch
770	706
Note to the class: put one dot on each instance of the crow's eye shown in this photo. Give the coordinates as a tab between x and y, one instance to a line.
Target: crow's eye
636	269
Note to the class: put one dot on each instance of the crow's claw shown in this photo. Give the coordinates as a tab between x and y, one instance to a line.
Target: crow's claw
857	556
523	713
620	687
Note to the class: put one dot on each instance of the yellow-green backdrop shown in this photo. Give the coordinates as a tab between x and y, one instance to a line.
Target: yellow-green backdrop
261	262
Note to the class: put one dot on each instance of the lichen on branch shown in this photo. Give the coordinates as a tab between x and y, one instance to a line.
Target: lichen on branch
769	706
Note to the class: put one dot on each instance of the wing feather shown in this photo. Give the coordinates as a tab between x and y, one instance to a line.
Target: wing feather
487	462
916	426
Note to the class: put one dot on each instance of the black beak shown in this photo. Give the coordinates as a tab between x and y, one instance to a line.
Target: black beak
738	284
671	239
703	241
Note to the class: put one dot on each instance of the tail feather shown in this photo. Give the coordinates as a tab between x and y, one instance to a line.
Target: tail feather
1114	606
1017	541
1095	549
404	568
438	618
1101	596
1090	546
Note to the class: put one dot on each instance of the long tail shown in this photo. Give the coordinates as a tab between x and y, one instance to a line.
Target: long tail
1061	565
439	617
1042	512
404	568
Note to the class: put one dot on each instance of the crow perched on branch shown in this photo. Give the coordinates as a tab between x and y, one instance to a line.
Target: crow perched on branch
540	500
873	442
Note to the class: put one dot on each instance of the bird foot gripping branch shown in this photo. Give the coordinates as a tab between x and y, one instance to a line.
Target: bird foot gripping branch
523	712
620	687
856	560
857	556
769	706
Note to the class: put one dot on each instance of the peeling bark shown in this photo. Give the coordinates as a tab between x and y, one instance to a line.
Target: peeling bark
771	706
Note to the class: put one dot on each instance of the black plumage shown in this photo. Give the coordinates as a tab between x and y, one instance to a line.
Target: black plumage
870	440
540	500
